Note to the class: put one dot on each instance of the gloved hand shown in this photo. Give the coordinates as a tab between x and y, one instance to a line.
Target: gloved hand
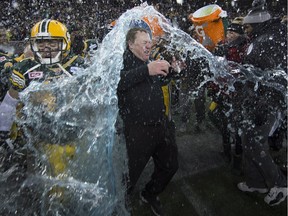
17	80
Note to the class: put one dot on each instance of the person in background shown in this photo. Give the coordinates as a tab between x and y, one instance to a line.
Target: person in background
208	35
90	47
275	140
77	40
235	43
189	91
5	48
233	50
263	105
26	51
142	109
6	60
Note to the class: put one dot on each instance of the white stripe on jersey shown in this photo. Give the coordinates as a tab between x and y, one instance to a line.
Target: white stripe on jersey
18	80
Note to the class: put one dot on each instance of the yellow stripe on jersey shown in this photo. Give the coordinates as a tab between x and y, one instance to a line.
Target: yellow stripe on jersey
165	90
213	106
156	53
68	63
20	58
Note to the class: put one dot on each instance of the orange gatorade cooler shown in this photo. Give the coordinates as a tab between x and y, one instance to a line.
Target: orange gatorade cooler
154	25
210	24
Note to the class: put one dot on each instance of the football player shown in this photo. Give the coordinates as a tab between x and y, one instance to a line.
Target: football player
52	60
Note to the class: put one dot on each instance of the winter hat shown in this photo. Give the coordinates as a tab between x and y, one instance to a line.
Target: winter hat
235	28
236	25
257	14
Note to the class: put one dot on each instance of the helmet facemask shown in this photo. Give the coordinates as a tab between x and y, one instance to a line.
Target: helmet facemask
48	50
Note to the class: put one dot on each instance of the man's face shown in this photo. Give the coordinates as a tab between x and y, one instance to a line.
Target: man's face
247	29
141	47
231	36
49	48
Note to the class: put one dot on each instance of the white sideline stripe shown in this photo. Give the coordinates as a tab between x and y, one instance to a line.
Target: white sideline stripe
195	201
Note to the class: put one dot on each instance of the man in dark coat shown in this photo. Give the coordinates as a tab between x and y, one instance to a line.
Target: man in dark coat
263	104
268	44
146	127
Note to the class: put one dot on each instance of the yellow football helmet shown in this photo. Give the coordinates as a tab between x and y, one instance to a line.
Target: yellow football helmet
48	29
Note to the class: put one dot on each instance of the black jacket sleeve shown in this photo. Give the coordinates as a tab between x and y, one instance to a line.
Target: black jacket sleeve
130	78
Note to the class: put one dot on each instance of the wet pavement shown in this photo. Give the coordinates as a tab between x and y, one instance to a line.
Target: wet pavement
205	185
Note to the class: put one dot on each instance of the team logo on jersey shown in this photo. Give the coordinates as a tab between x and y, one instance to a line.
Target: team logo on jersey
2	58
35	75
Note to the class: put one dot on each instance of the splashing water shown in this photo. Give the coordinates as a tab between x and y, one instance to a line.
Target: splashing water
76	117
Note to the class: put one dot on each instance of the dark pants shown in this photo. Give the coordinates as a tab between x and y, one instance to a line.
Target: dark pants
199	102
259	168
276	140
221	121
158	142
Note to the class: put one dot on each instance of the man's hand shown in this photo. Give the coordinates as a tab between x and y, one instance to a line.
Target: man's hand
159	67
18	80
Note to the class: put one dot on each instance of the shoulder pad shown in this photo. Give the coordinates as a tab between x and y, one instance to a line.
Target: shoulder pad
25	64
